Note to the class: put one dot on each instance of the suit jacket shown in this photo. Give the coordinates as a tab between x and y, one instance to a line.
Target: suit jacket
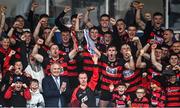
52	94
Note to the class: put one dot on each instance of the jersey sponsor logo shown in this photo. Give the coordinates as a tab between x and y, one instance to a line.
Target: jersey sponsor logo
128	73
111	70
84	99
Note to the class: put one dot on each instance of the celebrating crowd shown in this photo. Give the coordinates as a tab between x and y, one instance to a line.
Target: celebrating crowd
84	65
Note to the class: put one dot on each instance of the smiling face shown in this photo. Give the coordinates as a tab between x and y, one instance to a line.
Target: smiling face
132	31
174	60
65	37
34	86
121	89
5	43
157	20
104	21
94	34
55	69
158	54
140	93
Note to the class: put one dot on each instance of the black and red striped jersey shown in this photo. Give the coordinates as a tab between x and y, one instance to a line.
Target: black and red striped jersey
47	61
111	73
140	103
173	94
157	98
121	100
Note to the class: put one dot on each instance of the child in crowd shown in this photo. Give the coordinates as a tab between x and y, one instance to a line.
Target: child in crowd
172	90
18	93
120	98
157	94
37	100
140	101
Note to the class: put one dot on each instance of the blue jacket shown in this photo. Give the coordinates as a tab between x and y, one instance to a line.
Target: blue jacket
52	94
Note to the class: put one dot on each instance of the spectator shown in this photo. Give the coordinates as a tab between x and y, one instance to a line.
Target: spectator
55	88
18	93
37	100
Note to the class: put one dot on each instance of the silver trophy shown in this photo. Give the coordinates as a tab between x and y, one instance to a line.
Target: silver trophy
80	38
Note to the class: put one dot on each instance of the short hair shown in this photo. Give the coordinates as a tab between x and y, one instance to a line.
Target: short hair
93	28
170	30
140	87
108	32
19	16
53	65
44	16
122	20
111	46
65	30
157	14
34	80
104	15
132	25
73	16
82	73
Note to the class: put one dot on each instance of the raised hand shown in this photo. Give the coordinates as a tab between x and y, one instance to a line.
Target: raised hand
12	52
112	21
40	41
90	8
95	58
34	6
67	9
111	87
80	15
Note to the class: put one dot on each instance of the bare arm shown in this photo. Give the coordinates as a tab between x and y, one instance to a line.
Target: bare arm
139	63
153	58
130	65
79	16
36	31
86	17
35	54
138	19
2	22
48	41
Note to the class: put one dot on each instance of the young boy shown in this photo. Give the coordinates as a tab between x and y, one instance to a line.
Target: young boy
157	94
18	93
37	100
140	101
120	99
172	90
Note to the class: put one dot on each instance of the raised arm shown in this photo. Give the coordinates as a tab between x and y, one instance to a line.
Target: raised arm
30	19
37	29
35	54
130	65
153	58
86	17
48	41
94	79
3	17
59	18
138	16
79	16
139	63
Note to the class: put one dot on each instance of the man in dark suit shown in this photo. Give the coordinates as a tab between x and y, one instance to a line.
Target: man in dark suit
55	88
